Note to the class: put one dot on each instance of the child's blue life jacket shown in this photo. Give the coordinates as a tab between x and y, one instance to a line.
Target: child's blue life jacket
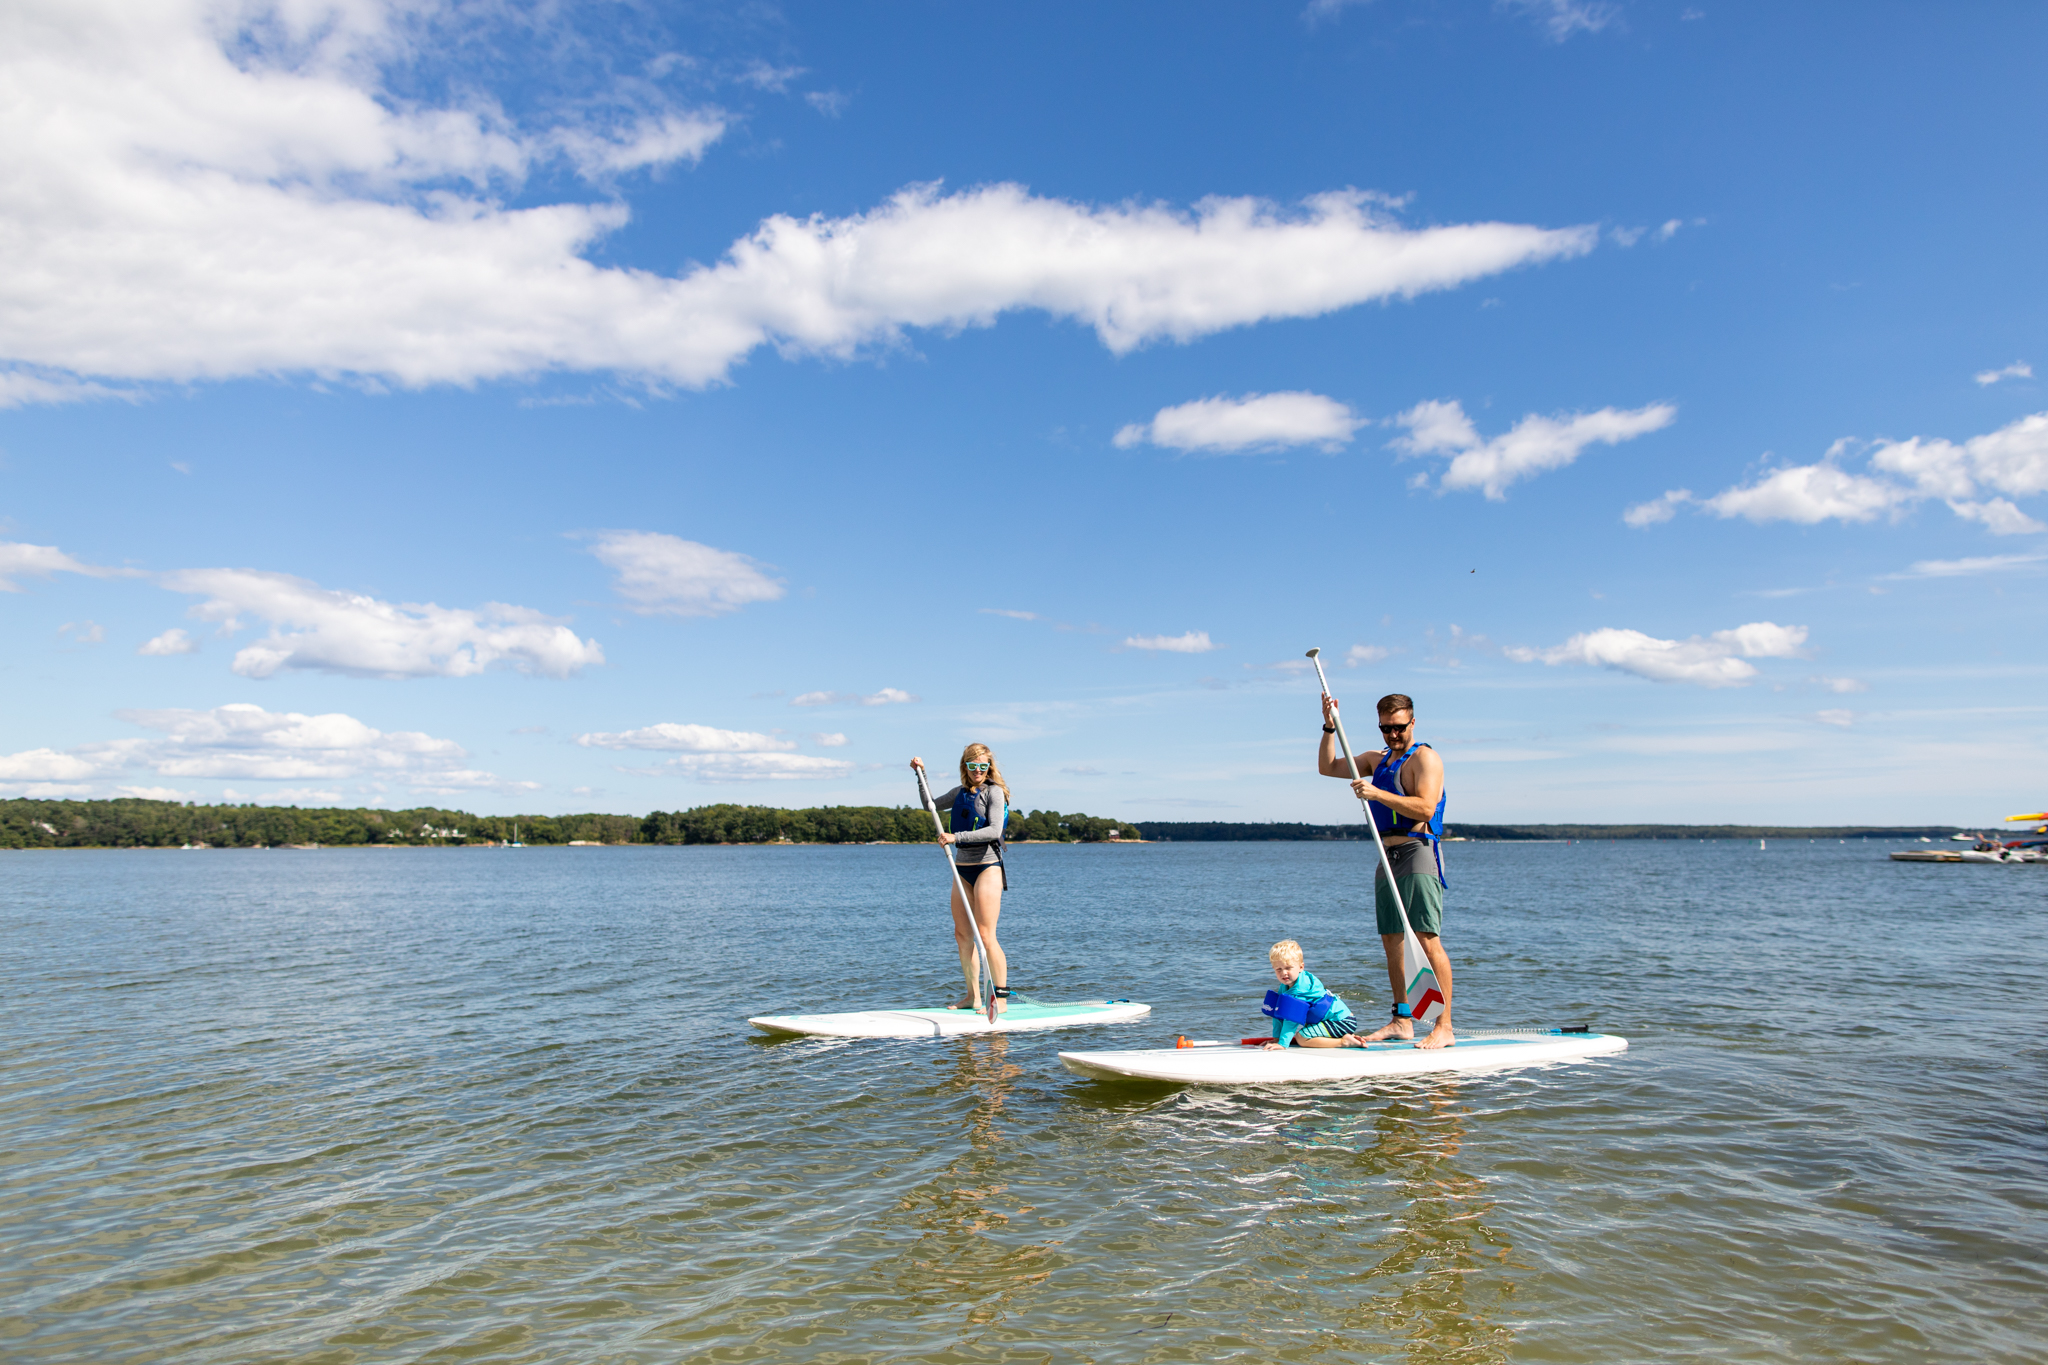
1289	1009
1301	1005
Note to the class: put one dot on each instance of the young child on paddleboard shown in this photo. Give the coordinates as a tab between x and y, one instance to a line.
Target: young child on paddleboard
1304	1012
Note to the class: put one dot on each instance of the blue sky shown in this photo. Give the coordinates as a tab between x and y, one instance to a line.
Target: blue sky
549	408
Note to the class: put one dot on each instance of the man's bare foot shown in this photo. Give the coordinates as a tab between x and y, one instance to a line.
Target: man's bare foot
965	1002
1002	1005
1440	1036
1395	1028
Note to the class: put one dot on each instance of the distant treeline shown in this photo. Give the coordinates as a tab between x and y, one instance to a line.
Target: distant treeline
167	824
857	825
1212	831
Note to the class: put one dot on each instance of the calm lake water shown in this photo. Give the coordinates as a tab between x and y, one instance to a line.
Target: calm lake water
502	1105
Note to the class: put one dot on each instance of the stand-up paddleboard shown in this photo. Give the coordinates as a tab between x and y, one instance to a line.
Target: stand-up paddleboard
1244	1064
942	1023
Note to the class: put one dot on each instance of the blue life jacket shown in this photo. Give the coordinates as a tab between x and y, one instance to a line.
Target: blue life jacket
1391	821
1292	1009
970	811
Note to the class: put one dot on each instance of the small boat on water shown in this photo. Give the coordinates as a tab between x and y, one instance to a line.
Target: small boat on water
2029	848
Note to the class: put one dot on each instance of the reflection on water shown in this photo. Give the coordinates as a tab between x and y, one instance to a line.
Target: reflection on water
954	1273
1442	1269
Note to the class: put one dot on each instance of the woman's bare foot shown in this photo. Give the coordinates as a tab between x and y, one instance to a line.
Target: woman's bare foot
1002	1005
1393	1028
1440	1036
965	1002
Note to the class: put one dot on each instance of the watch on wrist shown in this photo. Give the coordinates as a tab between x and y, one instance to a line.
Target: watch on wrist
1329	729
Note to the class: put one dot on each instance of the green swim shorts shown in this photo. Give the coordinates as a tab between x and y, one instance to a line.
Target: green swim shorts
1415	874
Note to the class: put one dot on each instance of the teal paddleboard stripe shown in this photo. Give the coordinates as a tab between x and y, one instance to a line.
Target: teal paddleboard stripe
1039	1011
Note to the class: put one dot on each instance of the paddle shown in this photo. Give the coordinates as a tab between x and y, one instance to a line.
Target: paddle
985	974
1415	966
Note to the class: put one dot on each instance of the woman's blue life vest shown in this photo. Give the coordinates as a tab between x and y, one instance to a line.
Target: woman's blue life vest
970	810
1390	821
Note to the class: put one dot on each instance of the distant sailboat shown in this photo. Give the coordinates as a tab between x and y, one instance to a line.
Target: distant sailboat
513	842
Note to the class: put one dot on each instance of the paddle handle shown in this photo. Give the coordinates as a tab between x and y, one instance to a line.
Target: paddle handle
981	959
1371	823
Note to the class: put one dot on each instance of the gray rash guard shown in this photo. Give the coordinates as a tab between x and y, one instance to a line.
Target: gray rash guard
983	845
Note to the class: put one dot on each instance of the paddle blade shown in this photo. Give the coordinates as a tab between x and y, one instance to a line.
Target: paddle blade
1425	998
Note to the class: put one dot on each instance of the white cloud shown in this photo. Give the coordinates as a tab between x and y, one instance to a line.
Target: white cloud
1968	568
172	641
1845	719
2019	369
46	765
18	559
830	103
755	767
888	696
174	794
1257	421
1194	642
764	76
832	740
82	632
1013	615
338	632
1716	660
2000	516
242	741
1809	494
1840	686
1657	509
666	575
656	140
701	739
1562	18
714	755
286	796
2012	460
19	388
1319	10
1533	445
1365	654
207	189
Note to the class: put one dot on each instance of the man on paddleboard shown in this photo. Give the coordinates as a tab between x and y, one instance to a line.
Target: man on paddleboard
1406	790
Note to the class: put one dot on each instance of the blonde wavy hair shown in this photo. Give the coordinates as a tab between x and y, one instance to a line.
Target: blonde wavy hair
980	753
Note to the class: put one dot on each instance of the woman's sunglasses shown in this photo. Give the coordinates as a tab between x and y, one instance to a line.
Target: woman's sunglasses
975	767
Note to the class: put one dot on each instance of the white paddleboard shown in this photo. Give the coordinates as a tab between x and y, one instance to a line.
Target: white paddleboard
1237	1064
941	1023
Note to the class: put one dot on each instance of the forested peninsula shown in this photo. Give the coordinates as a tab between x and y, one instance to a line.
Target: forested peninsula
134	823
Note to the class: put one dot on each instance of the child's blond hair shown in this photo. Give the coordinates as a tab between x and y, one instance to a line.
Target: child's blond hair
1287	952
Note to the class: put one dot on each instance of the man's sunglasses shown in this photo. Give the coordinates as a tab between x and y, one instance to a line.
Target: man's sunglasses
1395	729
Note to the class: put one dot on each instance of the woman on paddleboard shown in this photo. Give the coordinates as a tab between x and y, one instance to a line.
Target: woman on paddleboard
979	806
